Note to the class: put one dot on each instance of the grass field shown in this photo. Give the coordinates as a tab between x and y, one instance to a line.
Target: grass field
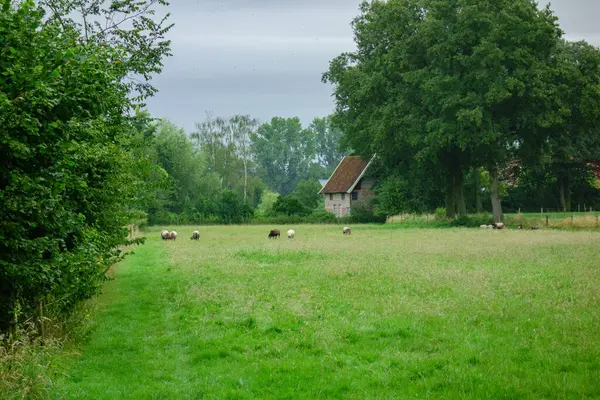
382	314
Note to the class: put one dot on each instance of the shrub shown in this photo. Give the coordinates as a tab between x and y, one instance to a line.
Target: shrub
440	214
363	214
473	220
290	205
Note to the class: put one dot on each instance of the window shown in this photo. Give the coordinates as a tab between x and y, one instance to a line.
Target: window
335	209
339	210
354	195
331	197
343	196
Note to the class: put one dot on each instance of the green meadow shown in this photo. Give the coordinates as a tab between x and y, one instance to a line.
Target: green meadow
381	314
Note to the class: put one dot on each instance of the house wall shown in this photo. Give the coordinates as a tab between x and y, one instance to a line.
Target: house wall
365	193
337	205
343	207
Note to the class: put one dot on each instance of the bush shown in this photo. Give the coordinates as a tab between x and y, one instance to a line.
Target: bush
363	214
290	206
232	209
440	214
473	220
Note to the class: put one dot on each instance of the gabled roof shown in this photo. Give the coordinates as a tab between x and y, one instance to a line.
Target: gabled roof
347	174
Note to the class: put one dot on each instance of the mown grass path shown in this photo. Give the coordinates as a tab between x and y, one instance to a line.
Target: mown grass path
382	314
138	344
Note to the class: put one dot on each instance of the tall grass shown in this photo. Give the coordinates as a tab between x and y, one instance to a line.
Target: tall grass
384	313
25	360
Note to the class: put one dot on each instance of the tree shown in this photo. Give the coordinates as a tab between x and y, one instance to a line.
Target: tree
227	142
576	141
290	205
242	127
328	140
266	204
231	209
443	83
126	25
192	189
284	152
66	138
307	193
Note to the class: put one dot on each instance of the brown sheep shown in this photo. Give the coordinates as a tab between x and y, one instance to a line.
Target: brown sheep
195	235
274	233
165	235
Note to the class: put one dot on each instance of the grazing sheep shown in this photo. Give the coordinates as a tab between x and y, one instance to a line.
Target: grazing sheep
483	226
173	235
195	235
347	231
291	234
490	226
498	225
165	235
274	233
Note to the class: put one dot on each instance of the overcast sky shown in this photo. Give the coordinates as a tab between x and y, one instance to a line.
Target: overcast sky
266	57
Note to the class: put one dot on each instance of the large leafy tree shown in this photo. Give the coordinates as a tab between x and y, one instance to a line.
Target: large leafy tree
576	141
228	146
328	139
451	83
65	137
284	152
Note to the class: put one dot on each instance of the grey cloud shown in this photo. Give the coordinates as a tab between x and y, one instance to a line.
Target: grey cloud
266	57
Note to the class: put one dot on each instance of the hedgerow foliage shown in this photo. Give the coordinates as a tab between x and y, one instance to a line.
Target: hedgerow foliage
65	169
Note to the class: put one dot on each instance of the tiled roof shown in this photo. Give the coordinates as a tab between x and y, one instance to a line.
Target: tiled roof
345	175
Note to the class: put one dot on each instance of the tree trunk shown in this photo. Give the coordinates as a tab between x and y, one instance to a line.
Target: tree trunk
495	197
245	179
478	205
459	194
450	204
568	195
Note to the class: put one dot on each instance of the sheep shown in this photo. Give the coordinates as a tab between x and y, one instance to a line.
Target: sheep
291	234
483	226
195	235
347	231
490	226
165	235
535	228
173	235
498	225
274	233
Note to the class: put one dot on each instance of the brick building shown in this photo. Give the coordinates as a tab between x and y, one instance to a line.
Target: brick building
348	185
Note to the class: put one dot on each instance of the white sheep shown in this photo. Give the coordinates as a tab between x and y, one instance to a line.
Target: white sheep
165	235
173	235
291	234
347	230
483	226
195	235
